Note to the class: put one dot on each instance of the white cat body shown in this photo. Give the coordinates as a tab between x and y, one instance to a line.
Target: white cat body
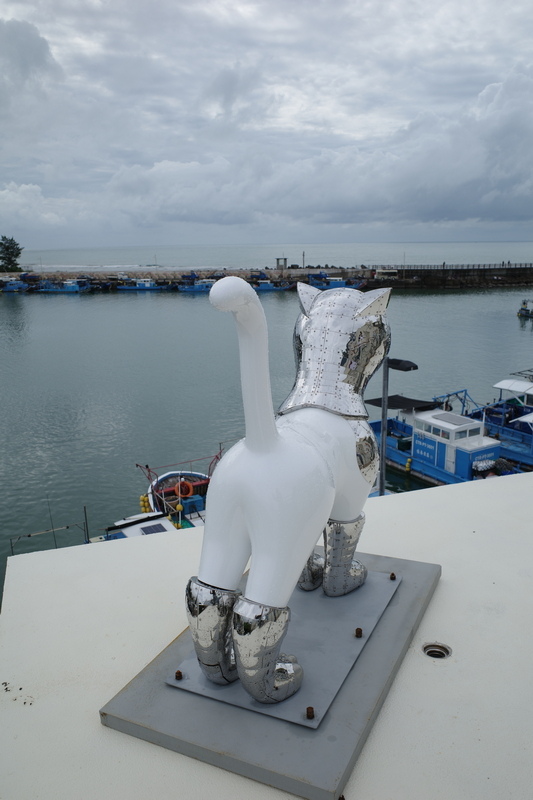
273	493
273	505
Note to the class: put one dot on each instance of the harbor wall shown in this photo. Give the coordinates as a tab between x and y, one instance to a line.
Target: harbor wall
427	276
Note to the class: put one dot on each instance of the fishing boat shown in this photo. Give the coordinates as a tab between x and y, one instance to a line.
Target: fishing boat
321	280
71	286
199	286
188	277
13	285
262	283
138	525
526	309
508	418
175	499
438	445
143	285
272	286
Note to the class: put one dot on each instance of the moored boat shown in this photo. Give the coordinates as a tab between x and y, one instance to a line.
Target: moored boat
272	286
13	285
143	285
321	280
200	286
508	418
526	309
440	446
70	286
175	499
262	283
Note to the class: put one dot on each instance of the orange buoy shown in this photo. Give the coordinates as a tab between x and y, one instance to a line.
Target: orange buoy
183	489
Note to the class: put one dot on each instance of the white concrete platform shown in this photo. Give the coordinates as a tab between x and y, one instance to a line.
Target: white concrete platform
77	624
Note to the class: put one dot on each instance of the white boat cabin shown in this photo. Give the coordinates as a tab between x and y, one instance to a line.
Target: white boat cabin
452	427
451	442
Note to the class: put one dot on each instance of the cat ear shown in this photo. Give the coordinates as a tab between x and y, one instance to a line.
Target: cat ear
306	296
376	301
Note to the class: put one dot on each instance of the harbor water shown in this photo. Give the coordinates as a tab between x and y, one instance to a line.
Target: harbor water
94	384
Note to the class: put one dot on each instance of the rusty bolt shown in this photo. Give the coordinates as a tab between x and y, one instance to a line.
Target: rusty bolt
358	633
178	675
310	712
392	576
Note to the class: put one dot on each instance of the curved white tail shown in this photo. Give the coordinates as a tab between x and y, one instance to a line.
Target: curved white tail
236	295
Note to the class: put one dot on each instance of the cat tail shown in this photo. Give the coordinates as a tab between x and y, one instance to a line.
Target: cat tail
236	295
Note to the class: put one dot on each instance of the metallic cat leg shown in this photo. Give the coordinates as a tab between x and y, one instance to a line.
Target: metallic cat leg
342	572
210	612
267	675
311	577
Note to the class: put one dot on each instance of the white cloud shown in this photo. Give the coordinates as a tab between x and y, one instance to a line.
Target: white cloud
26	204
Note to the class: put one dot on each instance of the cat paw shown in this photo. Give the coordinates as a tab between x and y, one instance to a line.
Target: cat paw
338	582
312	574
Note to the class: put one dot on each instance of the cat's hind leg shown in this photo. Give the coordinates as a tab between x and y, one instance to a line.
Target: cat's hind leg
210	616
268	675
280	544
211	597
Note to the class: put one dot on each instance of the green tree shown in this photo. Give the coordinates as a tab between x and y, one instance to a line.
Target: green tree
10	251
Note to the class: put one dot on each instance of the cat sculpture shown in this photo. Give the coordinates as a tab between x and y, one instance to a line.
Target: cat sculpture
293	478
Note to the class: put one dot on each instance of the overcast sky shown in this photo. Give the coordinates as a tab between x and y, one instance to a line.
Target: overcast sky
248	121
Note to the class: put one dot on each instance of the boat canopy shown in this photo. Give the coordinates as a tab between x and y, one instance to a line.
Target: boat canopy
517	387
526	418
399	402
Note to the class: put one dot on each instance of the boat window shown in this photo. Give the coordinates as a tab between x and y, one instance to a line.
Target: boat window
427	427
474	432
445	434
419	425
461	435
436	431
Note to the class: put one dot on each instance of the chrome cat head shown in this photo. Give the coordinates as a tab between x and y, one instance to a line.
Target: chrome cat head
340	339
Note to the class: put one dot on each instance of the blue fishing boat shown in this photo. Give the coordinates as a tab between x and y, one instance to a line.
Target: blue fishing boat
321	280
13	285
71	286
440	446
262	283
188	277
143	285
526	309
508	418
198	286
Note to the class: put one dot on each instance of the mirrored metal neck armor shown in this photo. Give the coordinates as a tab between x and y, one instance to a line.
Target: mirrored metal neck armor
340	339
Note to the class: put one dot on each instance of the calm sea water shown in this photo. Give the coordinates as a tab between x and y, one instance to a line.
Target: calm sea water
92	385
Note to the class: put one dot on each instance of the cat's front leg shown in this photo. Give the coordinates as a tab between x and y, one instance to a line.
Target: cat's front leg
342	571
312	574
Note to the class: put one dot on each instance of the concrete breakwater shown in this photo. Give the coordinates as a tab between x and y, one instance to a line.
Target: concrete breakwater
427	276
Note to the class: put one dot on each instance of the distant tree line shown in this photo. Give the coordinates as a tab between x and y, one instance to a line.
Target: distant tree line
10	252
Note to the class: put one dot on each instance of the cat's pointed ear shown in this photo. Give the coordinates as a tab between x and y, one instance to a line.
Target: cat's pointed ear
306	295
376	301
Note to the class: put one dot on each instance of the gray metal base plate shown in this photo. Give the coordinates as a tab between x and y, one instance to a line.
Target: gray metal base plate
321	636
313	762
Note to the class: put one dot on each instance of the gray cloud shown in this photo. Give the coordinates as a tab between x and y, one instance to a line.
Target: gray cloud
26	65
126	117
